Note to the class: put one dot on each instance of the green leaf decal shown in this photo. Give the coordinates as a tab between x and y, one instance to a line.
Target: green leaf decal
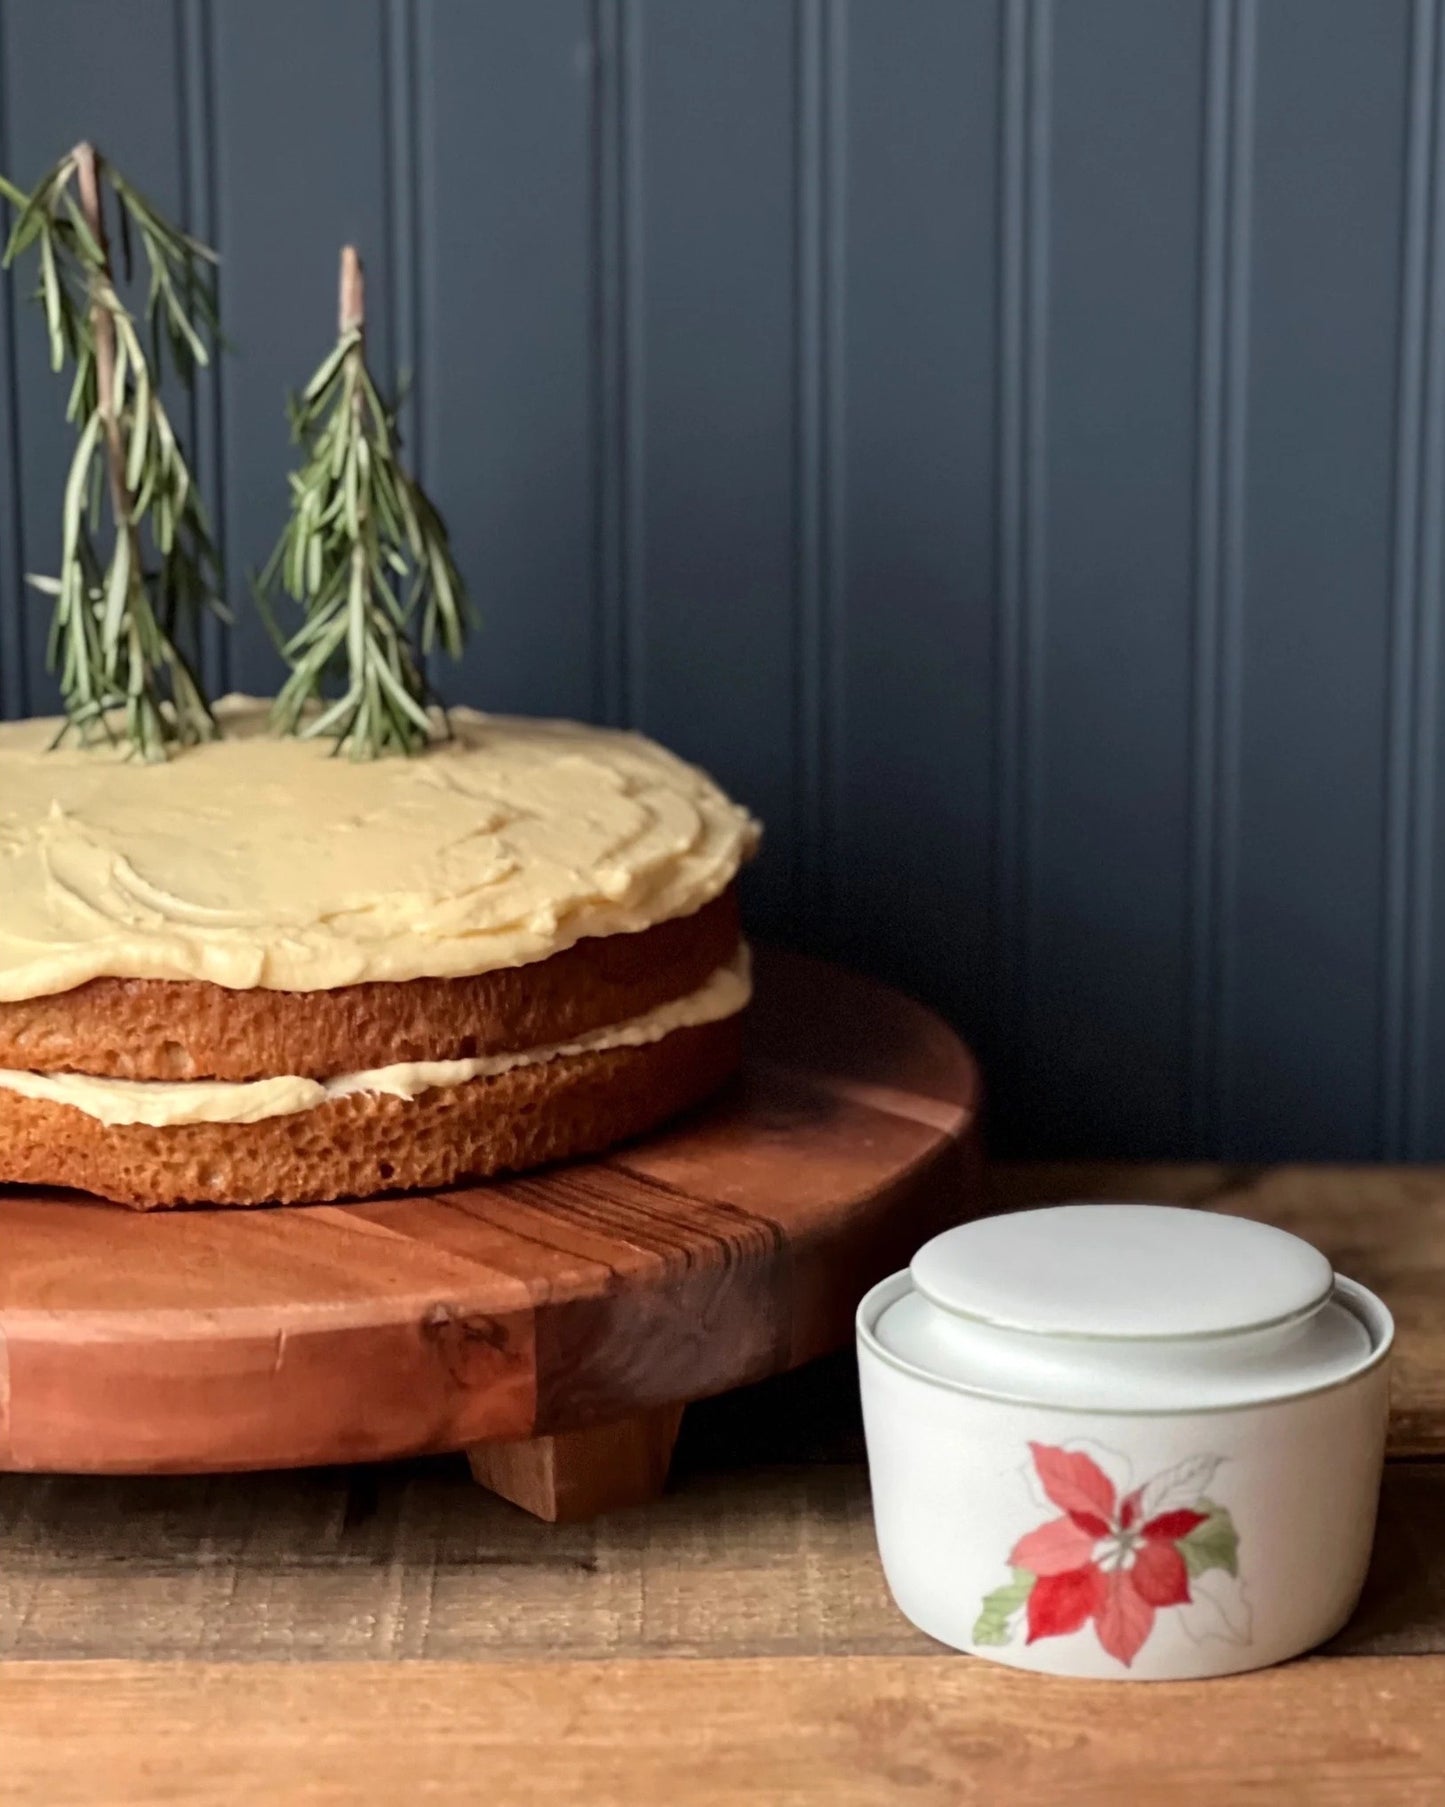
1212	1545
999	1609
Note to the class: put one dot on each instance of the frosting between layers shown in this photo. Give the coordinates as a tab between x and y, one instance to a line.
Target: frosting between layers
160	1105
257	862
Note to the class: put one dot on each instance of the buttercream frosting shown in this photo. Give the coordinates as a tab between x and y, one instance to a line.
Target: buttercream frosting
259	862
163	1105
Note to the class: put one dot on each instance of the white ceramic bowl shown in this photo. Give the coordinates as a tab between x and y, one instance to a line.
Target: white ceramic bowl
1124	1441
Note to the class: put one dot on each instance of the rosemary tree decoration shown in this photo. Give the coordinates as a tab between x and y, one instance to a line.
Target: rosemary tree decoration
136	573
366	556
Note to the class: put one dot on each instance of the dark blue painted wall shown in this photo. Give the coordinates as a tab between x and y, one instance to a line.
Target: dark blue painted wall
1004	439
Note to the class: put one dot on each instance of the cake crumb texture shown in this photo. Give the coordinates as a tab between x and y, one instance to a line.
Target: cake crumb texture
170	1029
357	1146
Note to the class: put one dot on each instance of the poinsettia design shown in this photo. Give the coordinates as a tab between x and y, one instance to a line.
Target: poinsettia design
1118	1555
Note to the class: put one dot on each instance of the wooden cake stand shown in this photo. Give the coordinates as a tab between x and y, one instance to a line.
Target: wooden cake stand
552	1325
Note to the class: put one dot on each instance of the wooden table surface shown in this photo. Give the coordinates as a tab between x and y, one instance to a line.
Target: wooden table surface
396	1634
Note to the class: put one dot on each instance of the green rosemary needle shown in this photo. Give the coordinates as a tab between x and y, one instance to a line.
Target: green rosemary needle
366	556
138	571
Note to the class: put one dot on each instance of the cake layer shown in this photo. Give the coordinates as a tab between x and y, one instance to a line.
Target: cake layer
256	862
158	1029
169	1104
366	1142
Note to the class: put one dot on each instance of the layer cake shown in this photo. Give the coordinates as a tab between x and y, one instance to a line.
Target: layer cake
259	973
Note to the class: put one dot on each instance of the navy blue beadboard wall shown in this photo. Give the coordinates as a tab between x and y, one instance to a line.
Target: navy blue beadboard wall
1003	439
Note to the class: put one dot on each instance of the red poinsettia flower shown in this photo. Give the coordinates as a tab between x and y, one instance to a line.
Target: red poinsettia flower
1099	1560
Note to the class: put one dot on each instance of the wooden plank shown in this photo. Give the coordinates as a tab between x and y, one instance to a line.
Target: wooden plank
1402	1611
763	1548
843	1731
417	1562
1384	1226
414	1562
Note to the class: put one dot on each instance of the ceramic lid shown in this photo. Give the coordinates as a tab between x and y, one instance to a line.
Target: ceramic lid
1122	1271
1125	1307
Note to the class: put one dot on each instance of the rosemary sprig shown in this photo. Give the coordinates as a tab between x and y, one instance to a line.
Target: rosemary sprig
120	620
366	556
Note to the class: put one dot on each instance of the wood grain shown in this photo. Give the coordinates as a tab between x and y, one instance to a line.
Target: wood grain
728	1247
840	1731
413	1562
550	1655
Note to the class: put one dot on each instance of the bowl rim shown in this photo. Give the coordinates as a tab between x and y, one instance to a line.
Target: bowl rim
1366	1306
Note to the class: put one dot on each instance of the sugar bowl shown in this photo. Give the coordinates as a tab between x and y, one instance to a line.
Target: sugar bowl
1128	1441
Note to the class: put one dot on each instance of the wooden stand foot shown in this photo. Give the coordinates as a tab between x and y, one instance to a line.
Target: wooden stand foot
579	1474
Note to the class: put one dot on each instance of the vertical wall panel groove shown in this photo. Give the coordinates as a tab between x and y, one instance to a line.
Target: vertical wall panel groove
1224	880
1023	320
1424	1127
405	259
282	215
1011	791
632	188
1307	902
1218	253
1398	1033
1114	254
14	699
506	321
196	68
1204	796
809	431
77	71
710	292
614	152
406	254
821	29
826	663
1034	500
912	476
1005	439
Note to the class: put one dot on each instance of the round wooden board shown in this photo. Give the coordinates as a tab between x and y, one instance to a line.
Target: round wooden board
731	1246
